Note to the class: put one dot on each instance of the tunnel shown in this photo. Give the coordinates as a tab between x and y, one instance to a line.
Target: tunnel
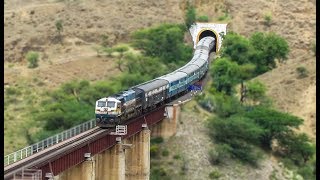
208	33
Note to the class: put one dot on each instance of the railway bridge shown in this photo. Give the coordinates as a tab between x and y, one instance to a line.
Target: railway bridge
86	152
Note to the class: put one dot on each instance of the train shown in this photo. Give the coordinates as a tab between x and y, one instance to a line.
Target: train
118	108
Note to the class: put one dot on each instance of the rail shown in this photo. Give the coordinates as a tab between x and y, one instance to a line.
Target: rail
34	148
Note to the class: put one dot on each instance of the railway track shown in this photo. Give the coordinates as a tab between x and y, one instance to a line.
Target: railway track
54	151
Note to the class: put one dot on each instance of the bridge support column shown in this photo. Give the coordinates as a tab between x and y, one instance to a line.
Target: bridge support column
111	163
138	156
83	171
167	127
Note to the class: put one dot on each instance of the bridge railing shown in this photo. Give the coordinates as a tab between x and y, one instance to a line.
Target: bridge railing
34	148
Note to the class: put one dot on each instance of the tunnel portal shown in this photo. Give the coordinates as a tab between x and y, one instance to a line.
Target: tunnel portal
206	33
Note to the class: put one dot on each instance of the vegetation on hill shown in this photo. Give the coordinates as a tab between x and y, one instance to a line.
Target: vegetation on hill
246	126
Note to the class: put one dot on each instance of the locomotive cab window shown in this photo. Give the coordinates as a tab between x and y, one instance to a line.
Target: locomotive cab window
101	104
111	104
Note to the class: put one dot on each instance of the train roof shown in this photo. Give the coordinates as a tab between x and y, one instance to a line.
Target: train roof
189	68
176	75
156	83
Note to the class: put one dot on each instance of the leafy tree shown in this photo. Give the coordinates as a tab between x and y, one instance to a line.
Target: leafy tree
225	106
165	42
224	75
237	48
255	90
33	58
237	132
275	123
272	46
190	15
262	50
297	146
245	72
120	49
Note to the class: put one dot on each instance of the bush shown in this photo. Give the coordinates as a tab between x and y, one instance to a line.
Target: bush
190	15
268	18
177	156
215	174
33	58
159	173
203	19
219	154
224	17
154	150
156	140
165	152
302	72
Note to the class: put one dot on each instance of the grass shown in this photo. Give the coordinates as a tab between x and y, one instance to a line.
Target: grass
20	100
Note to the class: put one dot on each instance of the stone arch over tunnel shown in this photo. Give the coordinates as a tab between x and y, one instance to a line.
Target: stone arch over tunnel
209	32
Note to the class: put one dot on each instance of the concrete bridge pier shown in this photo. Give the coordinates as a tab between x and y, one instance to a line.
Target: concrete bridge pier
111	163
108	165
83	171
168	126
138	156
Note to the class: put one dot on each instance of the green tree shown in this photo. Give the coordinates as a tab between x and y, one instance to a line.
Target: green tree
274	123
165	42
237	48
120	49
33	58
272	47
190	15
225	106
297	146
255	90
239	133
224	75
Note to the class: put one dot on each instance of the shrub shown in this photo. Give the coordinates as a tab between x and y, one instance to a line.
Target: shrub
268	18
165	152
33	58
177	156
224	17
12	91
215	174
219	154
159	173
214	157
59	26
203	19
190	15
154	150
156	140
302	72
